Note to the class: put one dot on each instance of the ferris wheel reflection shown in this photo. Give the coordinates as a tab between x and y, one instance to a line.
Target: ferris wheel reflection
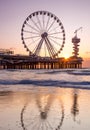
45	112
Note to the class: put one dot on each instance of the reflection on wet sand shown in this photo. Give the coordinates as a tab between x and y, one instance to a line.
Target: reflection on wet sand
75	107
44	109
45	116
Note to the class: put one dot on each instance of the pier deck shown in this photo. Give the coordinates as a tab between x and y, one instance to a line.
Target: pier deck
28	62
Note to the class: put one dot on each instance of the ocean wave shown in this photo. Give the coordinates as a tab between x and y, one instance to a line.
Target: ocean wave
79	78
68	71
56	83
79	73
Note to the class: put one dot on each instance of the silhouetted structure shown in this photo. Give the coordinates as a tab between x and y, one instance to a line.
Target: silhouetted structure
27	62
75	41
43	36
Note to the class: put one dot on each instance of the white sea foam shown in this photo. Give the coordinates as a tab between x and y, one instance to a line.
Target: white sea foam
75	78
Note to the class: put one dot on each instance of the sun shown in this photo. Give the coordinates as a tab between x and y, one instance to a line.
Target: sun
66	56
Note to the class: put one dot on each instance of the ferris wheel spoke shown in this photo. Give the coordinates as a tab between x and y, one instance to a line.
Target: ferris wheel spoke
50	126
54	41
31	37
53	47
53	30
34	117
49	47
33	41
46	126
31	121
31	27
45	50
35	124
56	37
43	126
35	24
47	23
39	126
38	47
39	22
51	25
55	33
43	21
49	50
29	32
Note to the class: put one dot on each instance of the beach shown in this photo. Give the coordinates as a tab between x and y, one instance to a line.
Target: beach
45	99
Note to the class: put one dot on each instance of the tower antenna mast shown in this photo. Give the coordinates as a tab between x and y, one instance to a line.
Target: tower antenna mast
77	30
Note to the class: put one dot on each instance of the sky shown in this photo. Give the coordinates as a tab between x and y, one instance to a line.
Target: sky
72	13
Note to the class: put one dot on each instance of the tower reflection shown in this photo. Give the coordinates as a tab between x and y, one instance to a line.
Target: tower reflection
75	107
44	112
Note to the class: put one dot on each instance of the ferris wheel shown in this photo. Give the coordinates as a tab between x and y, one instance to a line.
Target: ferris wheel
38	116
43	34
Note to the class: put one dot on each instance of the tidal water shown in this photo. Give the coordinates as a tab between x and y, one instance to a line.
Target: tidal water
45	99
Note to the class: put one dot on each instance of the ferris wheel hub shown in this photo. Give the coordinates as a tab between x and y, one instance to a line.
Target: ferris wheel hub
43	115
43	35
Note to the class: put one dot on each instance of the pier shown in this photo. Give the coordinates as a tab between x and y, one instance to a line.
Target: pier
28	62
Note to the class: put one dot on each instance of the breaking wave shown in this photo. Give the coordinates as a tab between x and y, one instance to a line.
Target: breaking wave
70	71
52	83
73	78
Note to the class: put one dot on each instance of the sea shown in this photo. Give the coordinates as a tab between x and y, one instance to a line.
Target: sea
44	99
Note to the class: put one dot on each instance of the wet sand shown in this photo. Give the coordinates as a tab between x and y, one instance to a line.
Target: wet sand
41	108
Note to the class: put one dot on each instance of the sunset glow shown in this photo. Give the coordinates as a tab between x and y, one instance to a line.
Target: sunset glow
66	56
14	13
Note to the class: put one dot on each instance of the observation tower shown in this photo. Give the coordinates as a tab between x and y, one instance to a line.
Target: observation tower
75	60
76	41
